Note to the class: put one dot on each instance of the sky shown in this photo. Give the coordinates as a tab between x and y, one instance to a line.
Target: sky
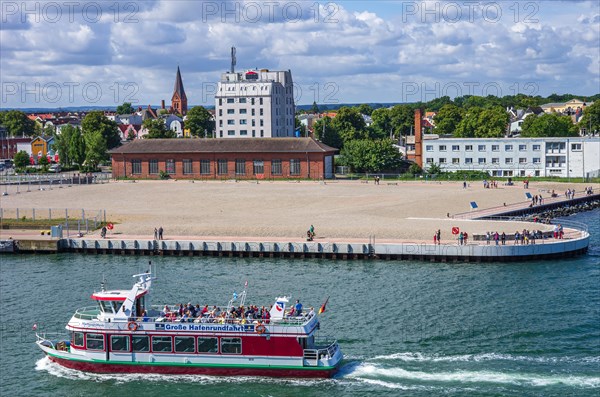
103	53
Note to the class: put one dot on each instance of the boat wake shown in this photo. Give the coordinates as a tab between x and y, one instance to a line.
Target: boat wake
45	364
387	371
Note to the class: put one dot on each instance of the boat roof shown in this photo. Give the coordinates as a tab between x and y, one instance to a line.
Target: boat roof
114	295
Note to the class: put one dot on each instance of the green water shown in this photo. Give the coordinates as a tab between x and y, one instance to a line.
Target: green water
406	328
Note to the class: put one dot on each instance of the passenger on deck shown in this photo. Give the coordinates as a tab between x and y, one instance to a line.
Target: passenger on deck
145	317
311	313
205	310
165	311
298	308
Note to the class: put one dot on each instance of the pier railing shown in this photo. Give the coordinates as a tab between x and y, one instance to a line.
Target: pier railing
73	220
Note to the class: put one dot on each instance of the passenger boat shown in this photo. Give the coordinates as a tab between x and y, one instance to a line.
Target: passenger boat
125	334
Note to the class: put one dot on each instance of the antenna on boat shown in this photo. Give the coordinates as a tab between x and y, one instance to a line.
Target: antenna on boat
103	283
243	298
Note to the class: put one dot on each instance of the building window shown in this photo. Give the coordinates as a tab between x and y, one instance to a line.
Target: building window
251	101
170	166
495	148
242	100
481	148
455	160
243	132
522	148
230	122
205	167
187	166
495	160
295	167
119	343
136	166
230	100
429	160
455	148
508	173
276	167
261	123
508	148
222	167
220	112
230	132
260	112
522	160
243	122
184	344
481	160
260	102
429	148
220	101
468	160
442	160
262	133
536	148
230	111
442	148
140	343
253	112
208	345
240	167
536	160
576	147
220	123
220	133
537	172
258	167
94	341
469	148
231	345
161	344
243	111
508	160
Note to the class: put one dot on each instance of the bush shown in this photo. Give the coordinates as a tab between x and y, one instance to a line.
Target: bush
414	169
163	175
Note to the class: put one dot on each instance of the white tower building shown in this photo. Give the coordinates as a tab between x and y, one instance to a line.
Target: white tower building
255	103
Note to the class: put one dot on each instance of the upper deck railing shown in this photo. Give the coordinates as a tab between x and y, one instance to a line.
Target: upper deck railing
92	313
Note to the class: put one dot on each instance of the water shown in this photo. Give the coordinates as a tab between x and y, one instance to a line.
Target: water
406	328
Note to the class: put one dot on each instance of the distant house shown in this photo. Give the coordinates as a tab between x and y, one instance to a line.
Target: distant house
41	145
521	115
565	107
125	130
128	119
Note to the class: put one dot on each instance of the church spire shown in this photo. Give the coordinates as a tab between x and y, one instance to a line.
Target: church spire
179	99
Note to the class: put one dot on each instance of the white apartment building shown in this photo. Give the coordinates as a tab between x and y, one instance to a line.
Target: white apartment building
255	103
575	157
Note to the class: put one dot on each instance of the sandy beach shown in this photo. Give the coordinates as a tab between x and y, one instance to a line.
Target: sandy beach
337	209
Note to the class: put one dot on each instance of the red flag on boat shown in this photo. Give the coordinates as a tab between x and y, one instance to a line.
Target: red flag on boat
322	309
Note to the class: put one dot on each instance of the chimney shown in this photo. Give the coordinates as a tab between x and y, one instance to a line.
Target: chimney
162	104
419	137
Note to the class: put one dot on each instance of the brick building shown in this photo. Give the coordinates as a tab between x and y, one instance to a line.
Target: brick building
243	158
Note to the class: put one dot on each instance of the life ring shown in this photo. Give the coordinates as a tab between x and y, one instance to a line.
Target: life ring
109	226
260	329
132	326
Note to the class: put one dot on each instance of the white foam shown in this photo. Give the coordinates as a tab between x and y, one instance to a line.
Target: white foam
370	371
419	357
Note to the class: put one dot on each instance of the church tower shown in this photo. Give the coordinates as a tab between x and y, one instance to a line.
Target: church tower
179	100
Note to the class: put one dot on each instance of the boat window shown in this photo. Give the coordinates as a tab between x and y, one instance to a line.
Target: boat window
105	306
117	305
184	344
94	341
231	345
208	345
77	338
140	343
119	343
161	344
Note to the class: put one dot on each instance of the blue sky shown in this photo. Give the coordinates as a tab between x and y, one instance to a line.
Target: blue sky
104	53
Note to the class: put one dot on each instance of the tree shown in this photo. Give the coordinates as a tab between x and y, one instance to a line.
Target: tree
548	125
314	108
200	122
49	129
434	169
95	149
414	169
77	150
381	125
157	129
365	109
447	119
323	130
349	124
436	104
70	145
478	122
21	159
97	122
402	119
18	124
43	161
591	118
366	155
125	108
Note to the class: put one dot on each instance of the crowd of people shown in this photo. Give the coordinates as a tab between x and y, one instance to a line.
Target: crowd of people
196	314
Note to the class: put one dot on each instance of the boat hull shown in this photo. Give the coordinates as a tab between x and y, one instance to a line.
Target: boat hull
144	368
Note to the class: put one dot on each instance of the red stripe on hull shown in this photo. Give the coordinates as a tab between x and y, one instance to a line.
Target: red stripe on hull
191	370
